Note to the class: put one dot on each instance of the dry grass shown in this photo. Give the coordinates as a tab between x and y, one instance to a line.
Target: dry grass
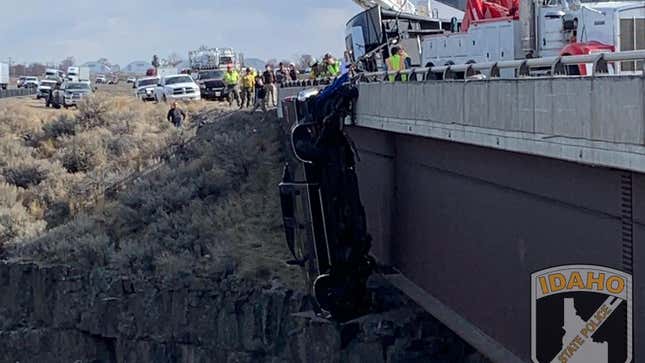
54	161
212	211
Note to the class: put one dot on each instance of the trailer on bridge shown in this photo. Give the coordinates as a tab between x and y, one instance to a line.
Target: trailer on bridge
493	31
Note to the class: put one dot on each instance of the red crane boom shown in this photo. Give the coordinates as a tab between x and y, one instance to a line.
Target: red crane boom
477	10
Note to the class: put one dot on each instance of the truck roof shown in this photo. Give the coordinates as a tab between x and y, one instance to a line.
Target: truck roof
614	4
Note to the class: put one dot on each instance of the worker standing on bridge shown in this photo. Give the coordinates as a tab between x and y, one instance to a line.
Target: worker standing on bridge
248	84
282	74
396	63
293	73
232	81
331	66
268	77
176	115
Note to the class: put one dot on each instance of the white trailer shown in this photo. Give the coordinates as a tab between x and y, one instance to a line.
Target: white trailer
83	74
166	71
72	74
4	75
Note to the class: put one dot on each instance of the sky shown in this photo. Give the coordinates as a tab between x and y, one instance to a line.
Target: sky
128	30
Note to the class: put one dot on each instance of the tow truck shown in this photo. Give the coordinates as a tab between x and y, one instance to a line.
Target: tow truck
498	30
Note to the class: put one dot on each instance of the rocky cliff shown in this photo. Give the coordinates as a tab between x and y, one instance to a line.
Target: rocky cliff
59	314
187	265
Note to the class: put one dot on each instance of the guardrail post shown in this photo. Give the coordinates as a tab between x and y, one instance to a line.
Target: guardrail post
494	71
448	73
524	70
600	65
469	71
558	68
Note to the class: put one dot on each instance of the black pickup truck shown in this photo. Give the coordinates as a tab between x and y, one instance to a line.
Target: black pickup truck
211	84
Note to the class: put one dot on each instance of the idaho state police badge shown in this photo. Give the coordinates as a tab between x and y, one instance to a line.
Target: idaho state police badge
581	314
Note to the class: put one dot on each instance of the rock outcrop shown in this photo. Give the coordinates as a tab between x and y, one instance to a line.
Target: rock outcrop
59	314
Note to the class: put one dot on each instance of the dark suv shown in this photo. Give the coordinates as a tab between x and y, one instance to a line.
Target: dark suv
211	84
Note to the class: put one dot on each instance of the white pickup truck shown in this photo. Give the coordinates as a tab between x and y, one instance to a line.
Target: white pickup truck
145	88
177	87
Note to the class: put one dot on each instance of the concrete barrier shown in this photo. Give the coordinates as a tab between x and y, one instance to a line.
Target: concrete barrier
17	92
593	120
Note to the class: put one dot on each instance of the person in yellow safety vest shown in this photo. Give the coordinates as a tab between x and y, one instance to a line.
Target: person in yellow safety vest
232	81
396	63
331	67
248	84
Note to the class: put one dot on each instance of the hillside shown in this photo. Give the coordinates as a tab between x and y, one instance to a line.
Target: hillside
212	208
53	163
185	263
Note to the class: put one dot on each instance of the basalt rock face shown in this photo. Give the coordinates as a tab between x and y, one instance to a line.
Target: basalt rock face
58	314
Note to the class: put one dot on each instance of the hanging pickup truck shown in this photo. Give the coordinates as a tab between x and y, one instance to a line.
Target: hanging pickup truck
323	216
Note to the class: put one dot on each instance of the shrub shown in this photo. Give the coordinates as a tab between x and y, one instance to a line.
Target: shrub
25	174
92	112
62	126
15	220
85	152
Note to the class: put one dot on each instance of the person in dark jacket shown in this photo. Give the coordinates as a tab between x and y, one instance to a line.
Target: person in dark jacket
260	96
268	77
50	95
176	115
293	73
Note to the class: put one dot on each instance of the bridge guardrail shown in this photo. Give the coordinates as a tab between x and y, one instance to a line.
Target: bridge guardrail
557	65
17	92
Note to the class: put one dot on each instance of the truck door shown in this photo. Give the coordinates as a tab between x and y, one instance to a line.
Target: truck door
550	32
632	36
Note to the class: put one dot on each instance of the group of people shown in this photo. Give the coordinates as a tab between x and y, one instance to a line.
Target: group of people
257	89
260	90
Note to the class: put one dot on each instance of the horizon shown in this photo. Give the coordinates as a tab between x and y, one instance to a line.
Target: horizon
91	31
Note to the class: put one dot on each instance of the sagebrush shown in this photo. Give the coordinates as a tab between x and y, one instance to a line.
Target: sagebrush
58	160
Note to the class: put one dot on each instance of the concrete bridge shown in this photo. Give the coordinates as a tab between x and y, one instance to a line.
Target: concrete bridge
470	187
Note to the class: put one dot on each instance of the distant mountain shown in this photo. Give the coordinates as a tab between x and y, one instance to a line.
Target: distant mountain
254	62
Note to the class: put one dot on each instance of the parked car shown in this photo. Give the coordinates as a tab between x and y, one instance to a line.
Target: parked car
145	88
70	93
54	74
131	80
211	84
43	88
73	74
20	81
177	87
100	79
31	82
